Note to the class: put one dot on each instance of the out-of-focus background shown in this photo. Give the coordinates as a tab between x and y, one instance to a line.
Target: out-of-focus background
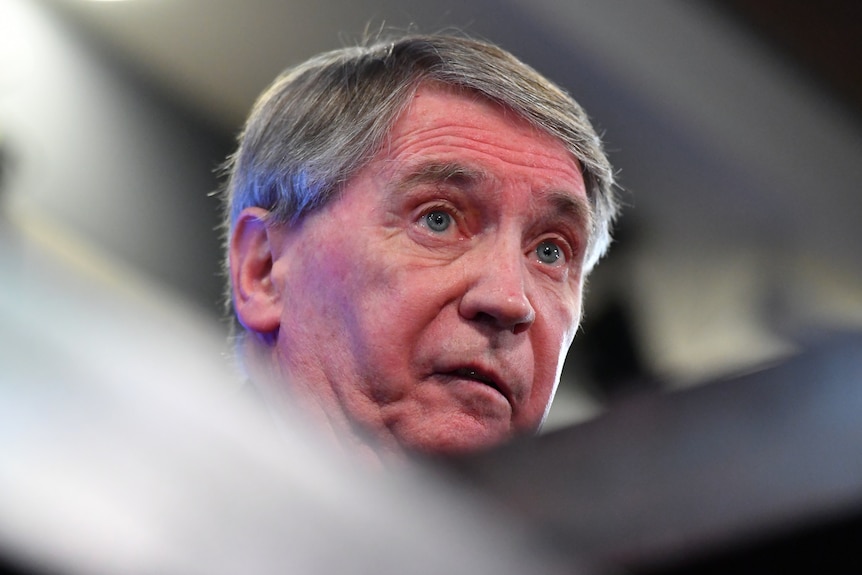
736	127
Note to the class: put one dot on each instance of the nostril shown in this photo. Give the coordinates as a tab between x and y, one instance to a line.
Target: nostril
521	327
484	318
497	322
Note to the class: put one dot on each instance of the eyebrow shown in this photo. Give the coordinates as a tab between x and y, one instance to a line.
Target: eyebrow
566	206
451	173
573	208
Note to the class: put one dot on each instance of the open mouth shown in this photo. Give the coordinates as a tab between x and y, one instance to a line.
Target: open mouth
468	373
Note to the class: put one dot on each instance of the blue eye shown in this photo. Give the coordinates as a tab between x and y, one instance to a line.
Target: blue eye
548	252
438	221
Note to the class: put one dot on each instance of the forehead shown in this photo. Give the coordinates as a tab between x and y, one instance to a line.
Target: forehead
442	126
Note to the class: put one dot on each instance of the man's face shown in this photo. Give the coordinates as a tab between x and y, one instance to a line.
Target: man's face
432	302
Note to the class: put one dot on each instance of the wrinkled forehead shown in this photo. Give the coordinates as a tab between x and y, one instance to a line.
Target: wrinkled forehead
438	120
457	107
457	139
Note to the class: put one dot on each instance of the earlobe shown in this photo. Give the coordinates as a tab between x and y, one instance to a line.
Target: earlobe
256	297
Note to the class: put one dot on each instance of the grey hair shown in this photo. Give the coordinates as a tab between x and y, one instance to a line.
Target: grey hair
322	121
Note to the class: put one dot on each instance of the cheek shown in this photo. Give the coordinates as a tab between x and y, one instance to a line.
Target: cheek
555	329
377	301
320	295
560	311
398	306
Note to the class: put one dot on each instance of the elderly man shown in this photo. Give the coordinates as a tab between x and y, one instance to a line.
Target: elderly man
410	225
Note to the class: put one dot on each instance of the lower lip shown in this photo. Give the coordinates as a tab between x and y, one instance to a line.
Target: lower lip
477	394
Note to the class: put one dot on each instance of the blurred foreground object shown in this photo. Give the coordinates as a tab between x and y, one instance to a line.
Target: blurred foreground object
125	447
760	473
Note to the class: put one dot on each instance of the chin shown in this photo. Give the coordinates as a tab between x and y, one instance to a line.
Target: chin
458	441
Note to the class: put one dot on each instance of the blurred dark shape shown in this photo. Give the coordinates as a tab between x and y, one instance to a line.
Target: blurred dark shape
755	473
608	351
8	566
824	39
611	356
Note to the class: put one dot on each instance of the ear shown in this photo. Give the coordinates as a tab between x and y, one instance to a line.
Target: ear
256	299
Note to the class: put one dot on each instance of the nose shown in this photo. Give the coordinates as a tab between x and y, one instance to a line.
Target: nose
496	293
